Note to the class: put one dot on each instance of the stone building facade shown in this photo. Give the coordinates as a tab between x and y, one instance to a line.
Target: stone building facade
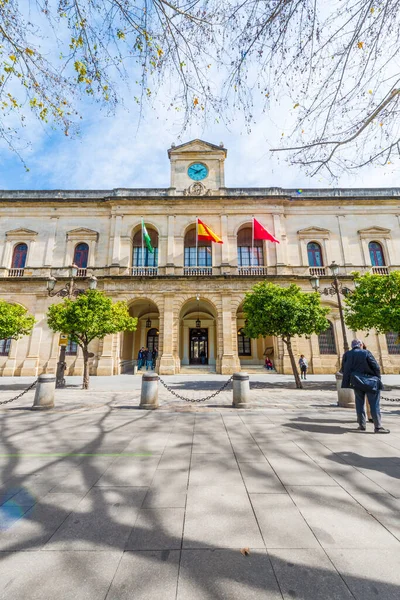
190	305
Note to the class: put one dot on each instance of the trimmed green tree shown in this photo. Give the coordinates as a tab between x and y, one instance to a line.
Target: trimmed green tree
375	303
92	315
15	321
285	313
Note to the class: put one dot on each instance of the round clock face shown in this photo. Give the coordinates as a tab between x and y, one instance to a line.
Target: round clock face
197	171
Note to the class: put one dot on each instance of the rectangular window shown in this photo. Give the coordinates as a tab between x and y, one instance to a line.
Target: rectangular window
391	339
244	345
204	256
244	254
5	347
150	258
72	348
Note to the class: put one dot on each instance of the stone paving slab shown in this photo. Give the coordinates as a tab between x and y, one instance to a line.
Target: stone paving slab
316	503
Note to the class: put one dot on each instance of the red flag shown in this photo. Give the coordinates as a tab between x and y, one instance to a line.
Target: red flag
260	233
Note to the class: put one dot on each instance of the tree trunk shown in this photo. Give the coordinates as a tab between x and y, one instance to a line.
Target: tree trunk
297	379
85	383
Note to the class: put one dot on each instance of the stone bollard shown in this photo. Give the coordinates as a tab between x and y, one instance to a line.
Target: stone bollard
241	390
345	395
135	369
44	396
149	391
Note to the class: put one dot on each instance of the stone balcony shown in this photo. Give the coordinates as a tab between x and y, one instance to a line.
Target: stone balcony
180	271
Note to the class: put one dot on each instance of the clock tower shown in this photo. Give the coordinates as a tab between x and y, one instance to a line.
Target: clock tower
197	168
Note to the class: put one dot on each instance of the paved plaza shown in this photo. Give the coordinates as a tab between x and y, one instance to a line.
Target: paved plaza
198	501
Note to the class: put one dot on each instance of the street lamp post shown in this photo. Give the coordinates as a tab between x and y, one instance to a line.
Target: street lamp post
337	288
68	291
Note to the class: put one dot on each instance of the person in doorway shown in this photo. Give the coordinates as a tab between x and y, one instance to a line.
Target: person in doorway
303	364
268	364
360	369
203	357
154	355
140	359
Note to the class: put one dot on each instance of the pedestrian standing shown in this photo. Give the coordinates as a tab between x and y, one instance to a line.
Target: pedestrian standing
154	355
303	364
362	373
140	359
369	416
149	359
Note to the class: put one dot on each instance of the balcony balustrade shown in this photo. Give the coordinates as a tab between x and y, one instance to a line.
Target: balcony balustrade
144	271
380	270
317	271
82	273
197	271
16	272
248	271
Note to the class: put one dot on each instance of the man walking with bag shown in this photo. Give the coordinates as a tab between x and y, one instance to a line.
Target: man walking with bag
362	373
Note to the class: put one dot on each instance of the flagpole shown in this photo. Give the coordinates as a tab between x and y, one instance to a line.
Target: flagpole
252	244
197	243
142	245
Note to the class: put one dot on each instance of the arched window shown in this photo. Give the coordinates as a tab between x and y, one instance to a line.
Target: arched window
245	246
19	256
314	255
152	339
147	258
326	341
5	347
392	342
204	251
376	254
244	344
81	256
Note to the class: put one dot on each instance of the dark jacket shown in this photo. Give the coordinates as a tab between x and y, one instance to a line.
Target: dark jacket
358	361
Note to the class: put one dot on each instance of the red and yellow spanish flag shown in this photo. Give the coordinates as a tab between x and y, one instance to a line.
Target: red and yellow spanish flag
205	234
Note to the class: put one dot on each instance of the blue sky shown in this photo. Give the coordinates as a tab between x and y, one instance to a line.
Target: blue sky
112	151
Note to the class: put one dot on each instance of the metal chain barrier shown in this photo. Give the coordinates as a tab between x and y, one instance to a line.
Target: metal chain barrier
19	395
390	399
170	389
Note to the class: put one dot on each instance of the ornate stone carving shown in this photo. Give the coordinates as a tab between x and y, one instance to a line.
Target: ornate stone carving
197	189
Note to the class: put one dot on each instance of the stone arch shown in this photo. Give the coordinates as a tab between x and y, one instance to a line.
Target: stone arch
146	310
197	335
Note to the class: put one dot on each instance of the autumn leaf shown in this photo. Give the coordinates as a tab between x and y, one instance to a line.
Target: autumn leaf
360	45
296	105
195	101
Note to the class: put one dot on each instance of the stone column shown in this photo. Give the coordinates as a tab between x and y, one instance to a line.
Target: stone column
116	247
105	365
51	240
280	234
185	343
225	245
167	361
170	262
384	356
11	361
229	361
31	363
211	344
316	362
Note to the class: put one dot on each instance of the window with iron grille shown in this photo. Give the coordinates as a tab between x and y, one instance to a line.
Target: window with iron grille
391	339
244	344
326	341
72	348
5	347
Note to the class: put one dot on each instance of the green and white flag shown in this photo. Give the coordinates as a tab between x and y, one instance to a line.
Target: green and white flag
146	238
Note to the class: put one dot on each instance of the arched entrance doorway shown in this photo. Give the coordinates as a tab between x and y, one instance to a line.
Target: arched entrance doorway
197	335
253	352
145	336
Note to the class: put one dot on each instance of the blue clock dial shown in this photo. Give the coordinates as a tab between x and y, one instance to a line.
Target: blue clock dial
198	171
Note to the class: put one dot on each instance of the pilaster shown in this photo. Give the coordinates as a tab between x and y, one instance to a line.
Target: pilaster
105	365
230	362
167	361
